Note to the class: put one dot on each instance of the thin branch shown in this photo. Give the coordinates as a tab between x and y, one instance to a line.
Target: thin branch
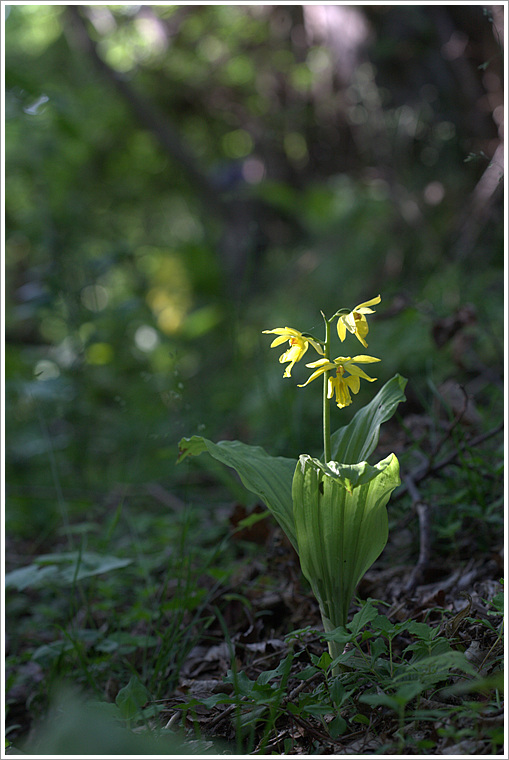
147	114
423	510
430	468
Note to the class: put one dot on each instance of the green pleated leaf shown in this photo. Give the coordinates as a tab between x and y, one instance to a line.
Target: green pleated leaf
355	442
340	531
270	478
349	475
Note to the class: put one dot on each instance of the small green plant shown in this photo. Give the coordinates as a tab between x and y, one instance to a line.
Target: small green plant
333	509
405	676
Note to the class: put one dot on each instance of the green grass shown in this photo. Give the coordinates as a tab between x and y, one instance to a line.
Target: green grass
125	590
120	618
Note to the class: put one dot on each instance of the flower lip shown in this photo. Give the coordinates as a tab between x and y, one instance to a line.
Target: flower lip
355	320
298	342
346	363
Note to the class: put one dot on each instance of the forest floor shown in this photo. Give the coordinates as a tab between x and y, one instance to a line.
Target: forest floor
229	656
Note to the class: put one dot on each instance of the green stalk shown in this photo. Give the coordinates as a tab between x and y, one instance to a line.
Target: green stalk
326	403
335	647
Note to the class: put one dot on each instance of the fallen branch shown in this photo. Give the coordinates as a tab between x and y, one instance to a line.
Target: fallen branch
423	510
430	468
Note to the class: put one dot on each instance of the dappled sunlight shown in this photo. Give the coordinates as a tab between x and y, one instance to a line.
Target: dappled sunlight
99	353
125	46
43	29
146	338
94	297
169	295
46	370
179	179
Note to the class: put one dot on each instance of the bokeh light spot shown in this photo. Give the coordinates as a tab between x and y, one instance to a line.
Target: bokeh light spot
295	147
94	297
237	144
146	338
434	193
46	370
99	353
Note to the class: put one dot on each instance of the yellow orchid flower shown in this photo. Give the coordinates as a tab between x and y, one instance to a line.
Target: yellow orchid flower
298	342
341	385
355	321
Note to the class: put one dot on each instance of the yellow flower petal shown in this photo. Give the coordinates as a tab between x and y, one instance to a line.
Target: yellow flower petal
362	307
353	383
364	359
278	341
340	386
355	321
341	330
320	363
358	372
312	377
283	331
324	365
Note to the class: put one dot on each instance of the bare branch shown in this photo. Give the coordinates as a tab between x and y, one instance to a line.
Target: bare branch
420	473
147	114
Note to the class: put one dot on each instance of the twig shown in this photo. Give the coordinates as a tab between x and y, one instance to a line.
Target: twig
423	510
157	491
311	730
429	468
457	419
147	114
302	685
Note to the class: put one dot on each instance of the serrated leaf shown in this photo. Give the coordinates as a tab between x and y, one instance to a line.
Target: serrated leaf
407	691
307	672
380	699
437	667
316	709
337	692
421	630
365	615
47	653
498	602
324	661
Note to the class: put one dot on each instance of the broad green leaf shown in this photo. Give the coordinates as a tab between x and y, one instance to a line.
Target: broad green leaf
380	699
131	698
365	615
270	478
340	532
355	442
337	726
437	667
64	569
48	653
349	475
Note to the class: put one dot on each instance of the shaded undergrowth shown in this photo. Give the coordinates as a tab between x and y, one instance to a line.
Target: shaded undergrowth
196	626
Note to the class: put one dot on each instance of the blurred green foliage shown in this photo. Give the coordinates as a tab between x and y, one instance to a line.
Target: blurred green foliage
181	177
178	179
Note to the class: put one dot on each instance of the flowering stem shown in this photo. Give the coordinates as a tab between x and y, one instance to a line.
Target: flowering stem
326	403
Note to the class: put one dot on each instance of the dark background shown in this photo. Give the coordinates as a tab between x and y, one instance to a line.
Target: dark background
180	178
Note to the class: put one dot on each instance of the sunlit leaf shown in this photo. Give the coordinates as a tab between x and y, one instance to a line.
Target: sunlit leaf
356	441
340	532
270	478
